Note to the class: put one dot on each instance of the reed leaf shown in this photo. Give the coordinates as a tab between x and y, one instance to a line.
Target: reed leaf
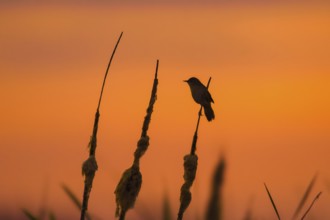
272	201
305	196
311	205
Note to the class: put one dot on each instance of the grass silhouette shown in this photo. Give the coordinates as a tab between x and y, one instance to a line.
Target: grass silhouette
89	167
130	183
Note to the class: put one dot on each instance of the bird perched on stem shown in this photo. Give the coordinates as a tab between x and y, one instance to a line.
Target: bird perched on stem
202	96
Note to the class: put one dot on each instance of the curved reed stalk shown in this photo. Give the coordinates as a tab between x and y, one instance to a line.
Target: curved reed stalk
89	167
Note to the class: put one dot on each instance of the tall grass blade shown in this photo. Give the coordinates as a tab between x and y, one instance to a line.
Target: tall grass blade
89	167
311	205
74	199
29	215
214	208
72	196
51	216
248	214
166	208
305	196
273	203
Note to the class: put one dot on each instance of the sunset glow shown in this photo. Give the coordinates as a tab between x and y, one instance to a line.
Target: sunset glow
270	72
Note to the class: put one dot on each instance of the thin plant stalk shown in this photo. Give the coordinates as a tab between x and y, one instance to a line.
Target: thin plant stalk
74	199
305	196
130	183
311	205
166	208
193	145
190	168
90	166
273	203
29	215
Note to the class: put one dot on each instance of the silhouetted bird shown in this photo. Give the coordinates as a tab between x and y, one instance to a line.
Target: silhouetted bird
202	96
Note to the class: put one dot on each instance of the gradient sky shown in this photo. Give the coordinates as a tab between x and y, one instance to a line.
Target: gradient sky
270	70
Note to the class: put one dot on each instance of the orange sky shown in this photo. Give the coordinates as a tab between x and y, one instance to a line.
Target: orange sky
270	82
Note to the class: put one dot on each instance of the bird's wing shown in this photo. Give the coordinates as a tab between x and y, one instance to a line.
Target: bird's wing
206	96
209	97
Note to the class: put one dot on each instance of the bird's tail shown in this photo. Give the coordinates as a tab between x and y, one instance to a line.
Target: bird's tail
209	113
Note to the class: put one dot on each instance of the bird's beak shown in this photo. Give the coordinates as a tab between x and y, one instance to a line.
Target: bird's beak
185	80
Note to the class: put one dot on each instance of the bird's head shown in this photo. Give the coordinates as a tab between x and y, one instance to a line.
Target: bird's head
193	81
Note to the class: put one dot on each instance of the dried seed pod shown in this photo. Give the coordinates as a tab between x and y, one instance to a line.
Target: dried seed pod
128	189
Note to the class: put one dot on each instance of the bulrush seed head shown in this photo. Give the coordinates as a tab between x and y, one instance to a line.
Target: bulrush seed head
190	167
128	189
185	197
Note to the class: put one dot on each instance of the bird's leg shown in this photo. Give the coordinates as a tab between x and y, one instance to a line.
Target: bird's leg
200	111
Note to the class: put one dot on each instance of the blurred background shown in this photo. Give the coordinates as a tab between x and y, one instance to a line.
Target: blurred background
270	69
